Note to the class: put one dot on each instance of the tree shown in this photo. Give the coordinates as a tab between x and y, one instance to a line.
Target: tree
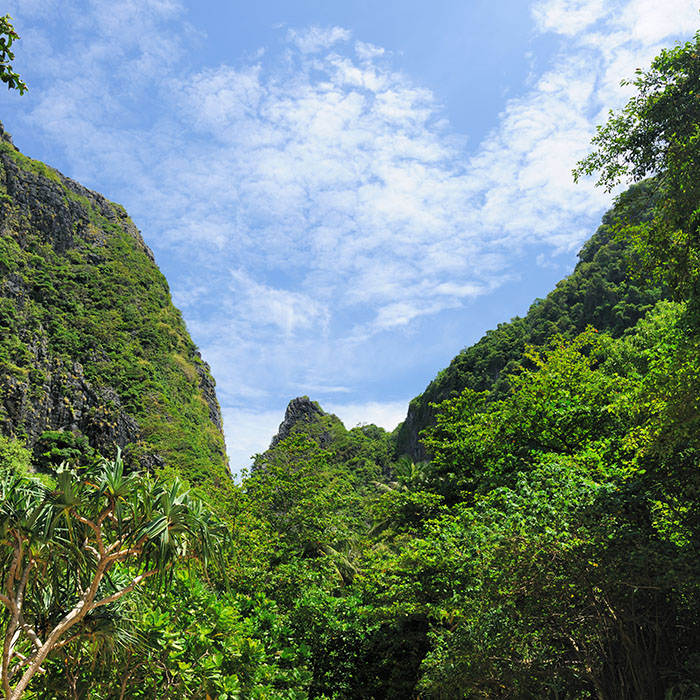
658	134
70	550
8	35
569	568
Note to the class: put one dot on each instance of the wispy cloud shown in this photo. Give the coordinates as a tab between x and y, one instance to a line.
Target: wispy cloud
313	39
569	17
287	311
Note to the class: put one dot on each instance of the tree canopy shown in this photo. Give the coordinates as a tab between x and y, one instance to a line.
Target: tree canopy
658	134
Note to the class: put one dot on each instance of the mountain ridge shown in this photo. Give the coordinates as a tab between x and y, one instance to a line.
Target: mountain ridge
601	291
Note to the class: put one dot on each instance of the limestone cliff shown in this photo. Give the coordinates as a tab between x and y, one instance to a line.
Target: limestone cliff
305	415
92	349
360	455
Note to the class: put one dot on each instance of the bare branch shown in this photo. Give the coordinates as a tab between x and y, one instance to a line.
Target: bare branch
12	573
67	641
95	528
23	661
114	546
107	512
91	550
115	596
29	631
11	632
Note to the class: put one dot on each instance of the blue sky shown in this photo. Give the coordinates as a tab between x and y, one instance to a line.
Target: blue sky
341	195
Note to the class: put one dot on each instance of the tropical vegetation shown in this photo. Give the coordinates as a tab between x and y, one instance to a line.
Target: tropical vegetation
542	542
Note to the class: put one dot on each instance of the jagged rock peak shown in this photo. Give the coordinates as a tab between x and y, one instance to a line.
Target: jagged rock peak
299	410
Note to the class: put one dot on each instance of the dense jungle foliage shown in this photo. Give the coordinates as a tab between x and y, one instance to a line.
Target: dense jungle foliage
548	549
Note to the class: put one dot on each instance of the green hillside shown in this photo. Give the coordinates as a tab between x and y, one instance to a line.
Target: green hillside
601	291
93	354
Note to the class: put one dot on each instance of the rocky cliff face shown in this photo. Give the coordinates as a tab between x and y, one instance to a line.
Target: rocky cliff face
90	343
301	415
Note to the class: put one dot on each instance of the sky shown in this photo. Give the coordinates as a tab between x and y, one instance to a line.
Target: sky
341	195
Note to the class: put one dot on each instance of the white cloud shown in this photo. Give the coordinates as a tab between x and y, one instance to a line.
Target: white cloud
315	389
221	97
402	313
569	17
367	51
288	311
386	414
651	21
316	38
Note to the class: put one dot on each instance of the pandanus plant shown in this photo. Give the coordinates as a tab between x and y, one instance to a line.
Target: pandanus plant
67	551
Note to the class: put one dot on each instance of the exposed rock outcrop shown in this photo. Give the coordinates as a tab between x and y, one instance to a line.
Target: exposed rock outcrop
301	412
